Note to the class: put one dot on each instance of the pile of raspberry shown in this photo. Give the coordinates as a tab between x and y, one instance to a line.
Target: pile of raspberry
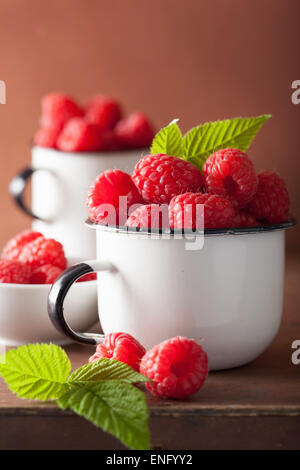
97	126
30	258
177	367
165	191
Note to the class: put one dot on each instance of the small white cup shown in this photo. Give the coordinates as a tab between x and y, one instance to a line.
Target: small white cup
224	288
24	318
60	183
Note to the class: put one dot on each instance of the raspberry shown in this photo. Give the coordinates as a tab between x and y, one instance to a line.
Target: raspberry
109	141
43	251
14	246
45	274
103	112
57	109
135	131
79	135
177	367
271	203
230	173
47	136
160	177
103	197
149	216
14	272
121	347
243	219
183	213
88	277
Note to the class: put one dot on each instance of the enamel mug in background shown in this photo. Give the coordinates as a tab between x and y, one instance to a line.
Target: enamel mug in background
224	288
60	183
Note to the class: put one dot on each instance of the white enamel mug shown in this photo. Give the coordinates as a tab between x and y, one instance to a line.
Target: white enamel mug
223	288
60	182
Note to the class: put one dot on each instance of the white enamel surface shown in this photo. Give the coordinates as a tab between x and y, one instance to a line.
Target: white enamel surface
59	193
24	318
227	295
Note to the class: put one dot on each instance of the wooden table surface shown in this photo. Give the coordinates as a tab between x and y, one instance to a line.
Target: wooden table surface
251	407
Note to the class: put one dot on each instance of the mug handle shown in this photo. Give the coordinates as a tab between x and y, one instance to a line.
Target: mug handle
59	291
17	187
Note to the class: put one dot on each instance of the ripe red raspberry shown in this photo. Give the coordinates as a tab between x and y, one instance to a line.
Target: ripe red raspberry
230	173
149	216
103	197
121	347
244	219
109	141
47	136
79	135
160	177
43	251
183	213
177	367
271	203
45	274
135	131
88	277
103	112
57	109
14	272
13	247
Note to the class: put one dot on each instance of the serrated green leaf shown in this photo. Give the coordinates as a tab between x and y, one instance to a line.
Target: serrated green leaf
36	371
63	400
201	141
107	369
117	407
168	140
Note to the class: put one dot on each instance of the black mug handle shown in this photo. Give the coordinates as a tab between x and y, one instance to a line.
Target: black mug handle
58	293
17	187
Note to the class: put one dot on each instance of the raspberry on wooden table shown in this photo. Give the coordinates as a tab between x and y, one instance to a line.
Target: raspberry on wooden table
15	245
57	109
103	112
177	367
121	347
160	177
14	272
183	211
230	173
43	251
103	197
135	131
271	202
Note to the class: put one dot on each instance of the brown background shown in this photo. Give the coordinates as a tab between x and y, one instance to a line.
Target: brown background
192	59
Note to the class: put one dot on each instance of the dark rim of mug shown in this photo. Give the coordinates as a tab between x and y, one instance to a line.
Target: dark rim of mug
208	231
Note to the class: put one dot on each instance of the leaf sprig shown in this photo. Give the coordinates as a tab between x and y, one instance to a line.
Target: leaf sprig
201	141
102	391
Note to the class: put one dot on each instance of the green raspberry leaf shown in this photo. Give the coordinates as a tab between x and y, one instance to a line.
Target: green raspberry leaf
201	141
107	369
36	371
168	140
117	407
